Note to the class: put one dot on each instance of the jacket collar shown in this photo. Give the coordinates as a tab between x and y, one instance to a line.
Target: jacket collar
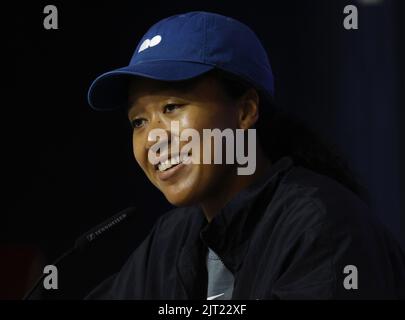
229	231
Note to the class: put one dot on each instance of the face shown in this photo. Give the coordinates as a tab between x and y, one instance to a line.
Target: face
204	105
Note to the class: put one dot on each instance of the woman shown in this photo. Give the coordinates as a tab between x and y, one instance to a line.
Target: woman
294	228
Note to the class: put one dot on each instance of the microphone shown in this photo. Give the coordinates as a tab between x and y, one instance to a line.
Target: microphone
88	238
95	233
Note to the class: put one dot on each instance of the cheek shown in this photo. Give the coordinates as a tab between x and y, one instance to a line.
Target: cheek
139	152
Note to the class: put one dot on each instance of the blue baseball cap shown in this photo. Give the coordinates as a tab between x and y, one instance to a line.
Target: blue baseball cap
185	46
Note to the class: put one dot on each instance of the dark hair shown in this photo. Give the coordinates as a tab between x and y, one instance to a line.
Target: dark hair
281	134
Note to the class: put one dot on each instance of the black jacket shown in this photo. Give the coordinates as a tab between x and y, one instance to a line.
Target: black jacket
288	236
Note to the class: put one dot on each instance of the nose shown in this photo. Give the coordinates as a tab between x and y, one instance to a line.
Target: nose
158	133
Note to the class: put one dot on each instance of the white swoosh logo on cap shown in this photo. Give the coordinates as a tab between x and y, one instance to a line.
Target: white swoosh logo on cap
148	43
213	297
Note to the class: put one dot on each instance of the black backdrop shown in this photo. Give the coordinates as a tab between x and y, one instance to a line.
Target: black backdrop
68	167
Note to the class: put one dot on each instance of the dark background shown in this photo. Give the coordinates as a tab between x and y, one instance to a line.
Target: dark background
67	167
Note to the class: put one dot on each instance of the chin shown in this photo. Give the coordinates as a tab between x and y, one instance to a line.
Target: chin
181	200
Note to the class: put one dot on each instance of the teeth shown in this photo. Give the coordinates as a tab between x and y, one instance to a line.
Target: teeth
167	164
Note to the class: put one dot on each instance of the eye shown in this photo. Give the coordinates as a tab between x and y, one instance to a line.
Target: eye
170	107
137	123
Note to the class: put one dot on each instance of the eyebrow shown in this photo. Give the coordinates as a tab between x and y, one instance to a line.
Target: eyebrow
182	86
130	107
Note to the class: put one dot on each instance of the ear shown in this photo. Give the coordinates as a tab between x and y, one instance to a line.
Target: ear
248	106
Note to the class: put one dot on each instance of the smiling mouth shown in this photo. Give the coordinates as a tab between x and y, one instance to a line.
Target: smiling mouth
171	162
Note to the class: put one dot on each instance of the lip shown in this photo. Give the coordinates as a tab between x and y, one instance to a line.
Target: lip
167	156
166	175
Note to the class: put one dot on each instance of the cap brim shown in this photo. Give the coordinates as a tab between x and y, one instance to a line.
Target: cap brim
110	90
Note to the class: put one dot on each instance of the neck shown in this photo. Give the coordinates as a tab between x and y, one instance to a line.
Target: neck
234	184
